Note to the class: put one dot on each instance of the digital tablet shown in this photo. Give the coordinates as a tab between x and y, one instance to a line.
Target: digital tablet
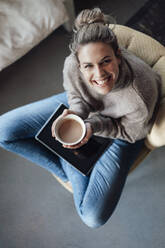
83	158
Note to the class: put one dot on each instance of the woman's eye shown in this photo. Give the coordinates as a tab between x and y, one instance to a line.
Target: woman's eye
87	66
107	61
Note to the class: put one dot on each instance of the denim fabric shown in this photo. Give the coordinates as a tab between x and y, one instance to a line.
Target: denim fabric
95	196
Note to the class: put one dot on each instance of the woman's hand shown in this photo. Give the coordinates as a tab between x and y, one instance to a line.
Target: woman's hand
89	133
64	113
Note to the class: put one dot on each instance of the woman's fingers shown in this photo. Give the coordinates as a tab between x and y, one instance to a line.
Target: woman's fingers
64	113
74	146
89	131
52	129
67	112
84	140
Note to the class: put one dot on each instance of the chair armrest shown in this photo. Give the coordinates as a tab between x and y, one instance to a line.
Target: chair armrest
153	53
156	137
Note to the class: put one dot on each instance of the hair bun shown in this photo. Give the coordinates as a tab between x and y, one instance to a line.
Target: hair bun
88	16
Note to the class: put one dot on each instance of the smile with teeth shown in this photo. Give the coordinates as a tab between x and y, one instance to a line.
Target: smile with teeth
103	82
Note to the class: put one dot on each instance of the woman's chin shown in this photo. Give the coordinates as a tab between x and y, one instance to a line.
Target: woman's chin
103	90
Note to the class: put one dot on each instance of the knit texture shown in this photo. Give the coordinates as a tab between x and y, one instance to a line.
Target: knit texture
128	111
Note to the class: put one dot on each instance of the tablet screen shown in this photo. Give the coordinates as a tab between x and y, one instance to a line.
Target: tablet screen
83	158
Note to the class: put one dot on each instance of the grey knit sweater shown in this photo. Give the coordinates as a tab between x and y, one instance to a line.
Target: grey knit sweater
128	111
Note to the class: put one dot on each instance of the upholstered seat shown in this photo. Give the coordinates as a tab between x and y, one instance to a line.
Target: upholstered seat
153	53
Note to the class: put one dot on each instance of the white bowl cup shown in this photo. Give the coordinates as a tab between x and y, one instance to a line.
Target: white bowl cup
60	120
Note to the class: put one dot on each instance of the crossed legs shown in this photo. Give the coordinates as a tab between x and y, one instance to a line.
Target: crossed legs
95	196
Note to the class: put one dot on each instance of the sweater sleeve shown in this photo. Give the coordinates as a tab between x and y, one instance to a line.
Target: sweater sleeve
136	123
131	127
73	85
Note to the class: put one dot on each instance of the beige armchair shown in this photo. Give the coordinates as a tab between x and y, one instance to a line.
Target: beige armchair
153	53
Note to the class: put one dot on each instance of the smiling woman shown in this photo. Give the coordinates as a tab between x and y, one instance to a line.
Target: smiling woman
116	95
98	69
99	65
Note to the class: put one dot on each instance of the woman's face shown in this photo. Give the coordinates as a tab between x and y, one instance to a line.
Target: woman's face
99	66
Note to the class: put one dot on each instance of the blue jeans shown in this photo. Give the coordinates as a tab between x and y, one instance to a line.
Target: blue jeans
95	196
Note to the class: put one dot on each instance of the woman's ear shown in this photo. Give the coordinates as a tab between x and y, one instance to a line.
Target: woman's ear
78	62
80	68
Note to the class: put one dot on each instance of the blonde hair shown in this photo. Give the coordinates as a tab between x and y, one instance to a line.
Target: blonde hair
92	26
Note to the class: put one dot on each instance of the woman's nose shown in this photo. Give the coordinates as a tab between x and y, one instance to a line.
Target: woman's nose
99	72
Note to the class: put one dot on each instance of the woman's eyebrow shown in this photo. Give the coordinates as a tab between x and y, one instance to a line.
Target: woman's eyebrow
108	56
89	63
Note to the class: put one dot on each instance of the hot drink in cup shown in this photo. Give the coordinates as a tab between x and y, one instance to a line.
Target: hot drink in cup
70	129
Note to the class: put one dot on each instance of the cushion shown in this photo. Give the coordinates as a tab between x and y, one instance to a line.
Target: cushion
153	53
24	23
